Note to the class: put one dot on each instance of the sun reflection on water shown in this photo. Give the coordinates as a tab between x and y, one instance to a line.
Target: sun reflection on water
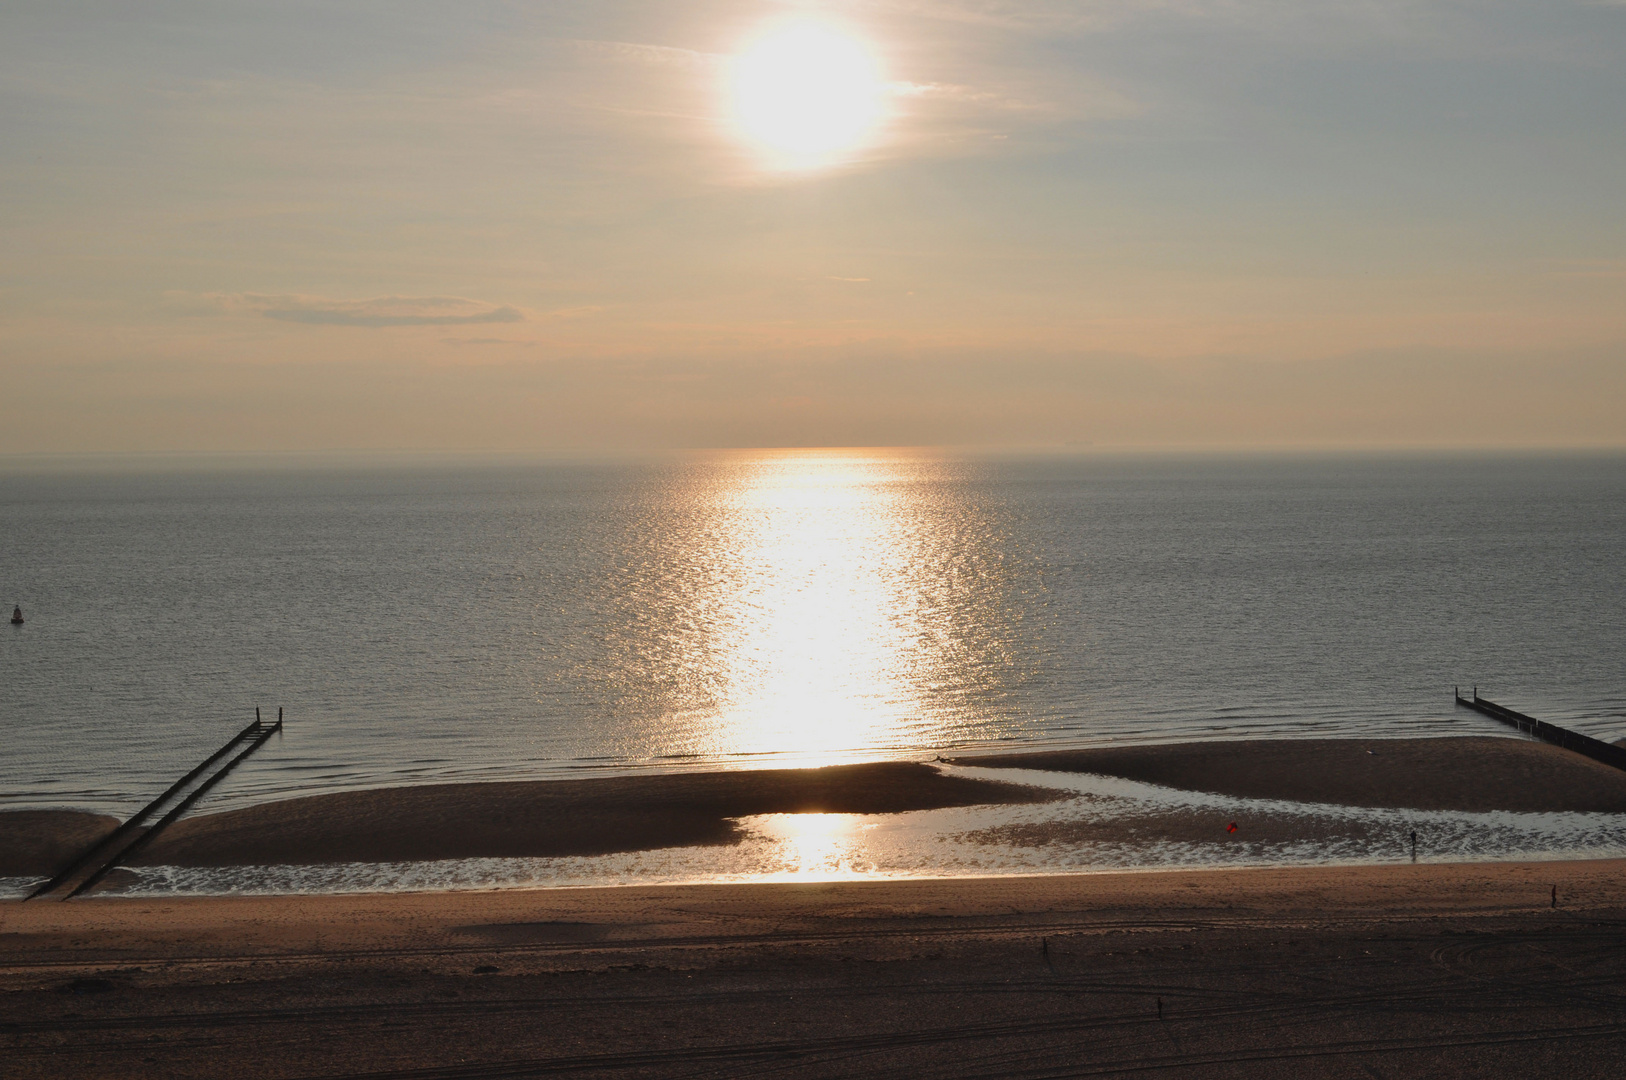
820	847
804	608
822	614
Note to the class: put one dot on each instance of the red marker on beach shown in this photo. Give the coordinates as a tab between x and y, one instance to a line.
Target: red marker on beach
1231	827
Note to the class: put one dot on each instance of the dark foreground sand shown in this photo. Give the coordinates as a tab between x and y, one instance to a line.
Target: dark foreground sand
1397	971
1478	773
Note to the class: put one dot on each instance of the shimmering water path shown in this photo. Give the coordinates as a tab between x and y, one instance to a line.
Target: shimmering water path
524	619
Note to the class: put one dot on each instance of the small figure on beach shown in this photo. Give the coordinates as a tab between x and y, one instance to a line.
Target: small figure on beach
1555	896
1231	827
16	615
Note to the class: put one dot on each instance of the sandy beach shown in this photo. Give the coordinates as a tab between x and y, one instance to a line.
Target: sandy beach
1458	970
1442	970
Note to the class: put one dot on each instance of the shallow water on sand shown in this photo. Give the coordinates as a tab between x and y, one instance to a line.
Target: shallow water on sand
520	620
1107	825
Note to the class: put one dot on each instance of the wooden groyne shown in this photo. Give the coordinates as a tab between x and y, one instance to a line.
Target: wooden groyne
1595	749
124	841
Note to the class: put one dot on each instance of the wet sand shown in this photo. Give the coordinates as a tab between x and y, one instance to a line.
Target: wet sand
41	842
639	813
1477	773
546	818
1440	971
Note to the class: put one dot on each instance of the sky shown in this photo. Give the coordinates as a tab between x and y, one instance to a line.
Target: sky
505	226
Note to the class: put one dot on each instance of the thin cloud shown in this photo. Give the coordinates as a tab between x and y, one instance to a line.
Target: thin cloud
354	318
376	312
387	313
653	55
1587	268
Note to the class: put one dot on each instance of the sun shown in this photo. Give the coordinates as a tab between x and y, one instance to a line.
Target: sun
806	95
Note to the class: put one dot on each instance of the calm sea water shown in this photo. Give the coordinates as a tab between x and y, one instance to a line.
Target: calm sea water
502	620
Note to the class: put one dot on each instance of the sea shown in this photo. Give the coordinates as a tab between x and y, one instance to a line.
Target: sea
421	620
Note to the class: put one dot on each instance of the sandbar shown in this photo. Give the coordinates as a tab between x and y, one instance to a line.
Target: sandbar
597	816
608	815
1471	773
41	842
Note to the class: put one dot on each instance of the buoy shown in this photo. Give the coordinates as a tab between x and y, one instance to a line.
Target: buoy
16	616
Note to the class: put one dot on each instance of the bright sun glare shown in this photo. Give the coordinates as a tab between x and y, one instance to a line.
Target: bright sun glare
806	94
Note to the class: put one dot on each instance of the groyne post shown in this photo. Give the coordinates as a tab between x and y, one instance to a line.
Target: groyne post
101	856
174	815
1574	741
112	839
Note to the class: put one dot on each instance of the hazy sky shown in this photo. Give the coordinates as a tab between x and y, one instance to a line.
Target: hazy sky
253	226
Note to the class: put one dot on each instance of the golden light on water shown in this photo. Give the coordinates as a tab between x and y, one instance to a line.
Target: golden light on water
806	95
807	607
815	847
822	610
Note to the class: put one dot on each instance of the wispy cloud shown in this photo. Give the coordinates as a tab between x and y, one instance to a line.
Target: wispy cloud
656	55
964	95
1587	268
378	311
